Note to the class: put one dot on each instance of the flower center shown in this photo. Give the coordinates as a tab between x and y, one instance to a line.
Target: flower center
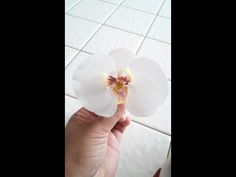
119	85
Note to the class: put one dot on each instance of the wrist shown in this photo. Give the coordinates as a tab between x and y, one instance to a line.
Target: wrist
72	170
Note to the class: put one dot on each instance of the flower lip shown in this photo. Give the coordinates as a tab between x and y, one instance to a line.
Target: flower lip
119	85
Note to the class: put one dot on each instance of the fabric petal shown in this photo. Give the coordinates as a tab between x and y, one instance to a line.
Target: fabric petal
89	85
149	87
121	57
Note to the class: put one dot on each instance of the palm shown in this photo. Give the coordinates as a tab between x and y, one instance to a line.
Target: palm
92	143
110	163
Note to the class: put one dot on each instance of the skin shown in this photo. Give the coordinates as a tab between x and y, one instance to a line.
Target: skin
92	143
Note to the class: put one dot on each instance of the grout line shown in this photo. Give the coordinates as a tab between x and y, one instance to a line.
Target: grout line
168	150
149	28
102	24
151	128
125	7
72	60
82	18
164	17
71	47
73	6
82	48
123	30
87	52
110	2
129	7
94	33
136	33
70	96
78	50
139	10
73	57
158	40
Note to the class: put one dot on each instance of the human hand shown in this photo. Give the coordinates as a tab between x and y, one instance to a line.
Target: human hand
92	143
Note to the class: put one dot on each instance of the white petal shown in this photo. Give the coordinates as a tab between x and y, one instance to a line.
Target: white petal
89	85
121	57
148	89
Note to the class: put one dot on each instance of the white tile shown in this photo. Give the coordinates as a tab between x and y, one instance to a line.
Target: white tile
70	71
70	3
161	119
131	20
143	151
166	9
107	39
71	106
78	31
161	29
158	51
113	1
69	54
93	10
151	6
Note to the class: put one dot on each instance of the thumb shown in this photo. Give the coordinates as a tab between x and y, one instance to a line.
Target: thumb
119	114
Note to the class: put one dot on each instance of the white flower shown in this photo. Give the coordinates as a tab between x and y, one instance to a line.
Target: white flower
101	82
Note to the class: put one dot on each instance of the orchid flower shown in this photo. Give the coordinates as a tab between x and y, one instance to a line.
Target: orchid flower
101	82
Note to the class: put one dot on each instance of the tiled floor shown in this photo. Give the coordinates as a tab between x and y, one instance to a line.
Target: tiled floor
144	27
